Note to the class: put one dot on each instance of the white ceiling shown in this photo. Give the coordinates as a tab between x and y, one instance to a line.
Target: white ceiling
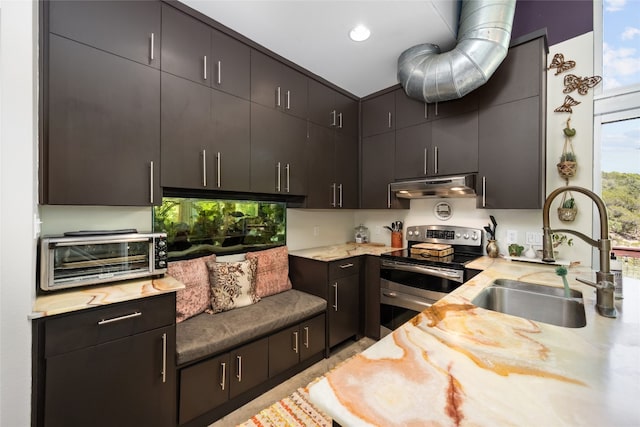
315	34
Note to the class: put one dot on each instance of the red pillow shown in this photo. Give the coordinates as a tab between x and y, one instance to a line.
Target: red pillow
273	270
196	296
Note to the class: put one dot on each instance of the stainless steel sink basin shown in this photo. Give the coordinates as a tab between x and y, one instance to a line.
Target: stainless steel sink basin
534	302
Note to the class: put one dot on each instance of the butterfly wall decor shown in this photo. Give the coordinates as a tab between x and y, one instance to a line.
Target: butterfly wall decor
560	64
566	106
582	84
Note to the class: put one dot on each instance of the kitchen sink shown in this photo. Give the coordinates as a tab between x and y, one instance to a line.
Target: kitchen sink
541	303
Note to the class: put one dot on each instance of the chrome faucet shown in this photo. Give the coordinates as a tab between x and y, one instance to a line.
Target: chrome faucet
604	278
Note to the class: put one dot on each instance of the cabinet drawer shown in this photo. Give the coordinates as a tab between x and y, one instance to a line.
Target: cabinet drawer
343	268
95	326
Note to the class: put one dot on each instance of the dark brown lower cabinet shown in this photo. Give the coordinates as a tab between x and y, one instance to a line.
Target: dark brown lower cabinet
249	366
295	344
344	308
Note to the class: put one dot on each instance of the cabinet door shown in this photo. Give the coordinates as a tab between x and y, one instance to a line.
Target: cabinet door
344	309
321	193
231	62
413	152
511	159
466	104
293	155
284	350
322	108
103	145
378	154
378	114
231	142
411	111
454	145
348	120
120	383
249	366
186	46
203	387
346	170
127	29
266	143
188	157
312	337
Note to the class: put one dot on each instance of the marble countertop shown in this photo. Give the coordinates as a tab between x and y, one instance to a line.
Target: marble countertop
66	301
342	251
457	364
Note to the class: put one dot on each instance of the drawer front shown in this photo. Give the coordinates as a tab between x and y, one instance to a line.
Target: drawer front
95	326
344	268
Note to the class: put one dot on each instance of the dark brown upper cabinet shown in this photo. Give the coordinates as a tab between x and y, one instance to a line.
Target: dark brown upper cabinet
195	51
205	137
413	152
332	109
278	152
411	111
378	115
101	145
378	171
275	85
454	145
124	28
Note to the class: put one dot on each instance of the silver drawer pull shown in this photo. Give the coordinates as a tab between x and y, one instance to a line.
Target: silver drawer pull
164	358
335	291
346	265
151	46
223	366
306	337
239	374
117	319
295	342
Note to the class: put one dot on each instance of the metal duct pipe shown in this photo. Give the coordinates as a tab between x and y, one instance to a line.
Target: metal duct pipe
483	41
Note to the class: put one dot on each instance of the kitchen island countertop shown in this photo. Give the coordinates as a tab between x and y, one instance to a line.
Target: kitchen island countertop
66	301
457	364
342	251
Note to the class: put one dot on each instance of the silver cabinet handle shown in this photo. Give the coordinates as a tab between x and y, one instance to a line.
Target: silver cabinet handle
151	45
389	196
346	265
484	191
218	173
340	120
425	160
219	81
287	168
151	182
306	337
333	191
204	168
223	375
205	67
435	160
288	100
164	358
436	109
335	296
295	342
278	179
333	118
120	318
426	113
389	119
340	195
239	374
278	93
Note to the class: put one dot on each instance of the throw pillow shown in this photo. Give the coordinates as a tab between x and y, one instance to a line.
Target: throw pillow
196	296
233	284
273	271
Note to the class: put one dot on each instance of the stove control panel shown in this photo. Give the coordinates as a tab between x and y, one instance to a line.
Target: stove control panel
445	234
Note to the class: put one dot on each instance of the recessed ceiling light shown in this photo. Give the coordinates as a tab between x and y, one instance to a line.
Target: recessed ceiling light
359	33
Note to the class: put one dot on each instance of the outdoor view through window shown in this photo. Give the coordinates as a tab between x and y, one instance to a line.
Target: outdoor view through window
620	137
196	227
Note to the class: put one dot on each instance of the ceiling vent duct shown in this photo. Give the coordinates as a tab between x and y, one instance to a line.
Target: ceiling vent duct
483	41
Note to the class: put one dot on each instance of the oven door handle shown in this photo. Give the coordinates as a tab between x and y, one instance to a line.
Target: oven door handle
457	276
400	299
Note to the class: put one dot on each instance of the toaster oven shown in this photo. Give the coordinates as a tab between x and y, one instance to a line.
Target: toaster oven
87	258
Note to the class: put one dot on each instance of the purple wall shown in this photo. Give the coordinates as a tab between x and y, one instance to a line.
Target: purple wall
564	19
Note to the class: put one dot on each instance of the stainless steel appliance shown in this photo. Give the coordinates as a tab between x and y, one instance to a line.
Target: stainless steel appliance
411	282
91	257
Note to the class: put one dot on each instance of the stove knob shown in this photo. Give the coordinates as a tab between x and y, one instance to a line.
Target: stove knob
458	235
466	236
474	236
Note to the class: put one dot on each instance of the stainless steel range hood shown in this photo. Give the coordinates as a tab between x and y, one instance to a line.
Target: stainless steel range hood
449	186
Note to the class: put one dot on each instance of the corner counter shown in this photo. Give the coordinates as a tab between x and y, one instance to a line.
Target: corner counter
457	364
342	251
66	301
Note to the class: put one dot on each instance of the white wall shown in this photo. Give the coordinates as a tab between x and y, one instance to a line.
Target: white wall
18	166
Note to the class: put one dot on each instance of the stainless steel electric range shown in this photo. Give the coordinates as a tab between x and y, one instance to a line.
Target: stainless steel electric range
411	282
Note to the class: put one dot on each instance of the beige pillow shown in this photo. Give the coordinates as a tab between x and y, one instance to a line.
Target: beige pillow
273	271
233	284
196	296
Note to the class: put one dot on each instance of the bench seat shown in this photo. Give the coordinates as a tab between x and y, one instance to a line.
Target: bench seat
208	334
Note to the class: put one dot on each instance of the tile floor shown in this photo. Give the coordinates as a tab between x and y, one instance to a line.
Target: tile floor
338	355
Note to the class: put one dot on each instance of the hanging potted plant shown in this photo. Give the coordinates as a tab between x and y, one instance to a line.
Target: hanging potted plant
568	210
568	164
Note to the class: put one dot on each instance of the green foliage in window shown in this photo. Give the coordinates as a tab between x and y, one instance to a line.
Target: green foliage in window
197	227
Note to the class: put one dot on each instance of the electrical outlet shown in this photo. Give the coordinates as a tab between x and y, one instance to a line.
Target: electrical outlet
532	238
512	236
316	231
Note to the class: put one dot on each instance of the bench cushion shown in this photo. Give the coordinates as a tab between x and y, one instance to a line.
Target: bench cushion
208	334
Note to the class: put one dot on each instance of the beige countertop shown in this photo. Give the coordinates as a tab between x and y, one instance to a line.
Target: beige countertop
457	364
342	251
66	301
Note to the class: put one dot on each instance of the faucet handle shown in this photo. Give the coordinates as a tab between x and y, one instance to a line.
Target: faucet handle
588	282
